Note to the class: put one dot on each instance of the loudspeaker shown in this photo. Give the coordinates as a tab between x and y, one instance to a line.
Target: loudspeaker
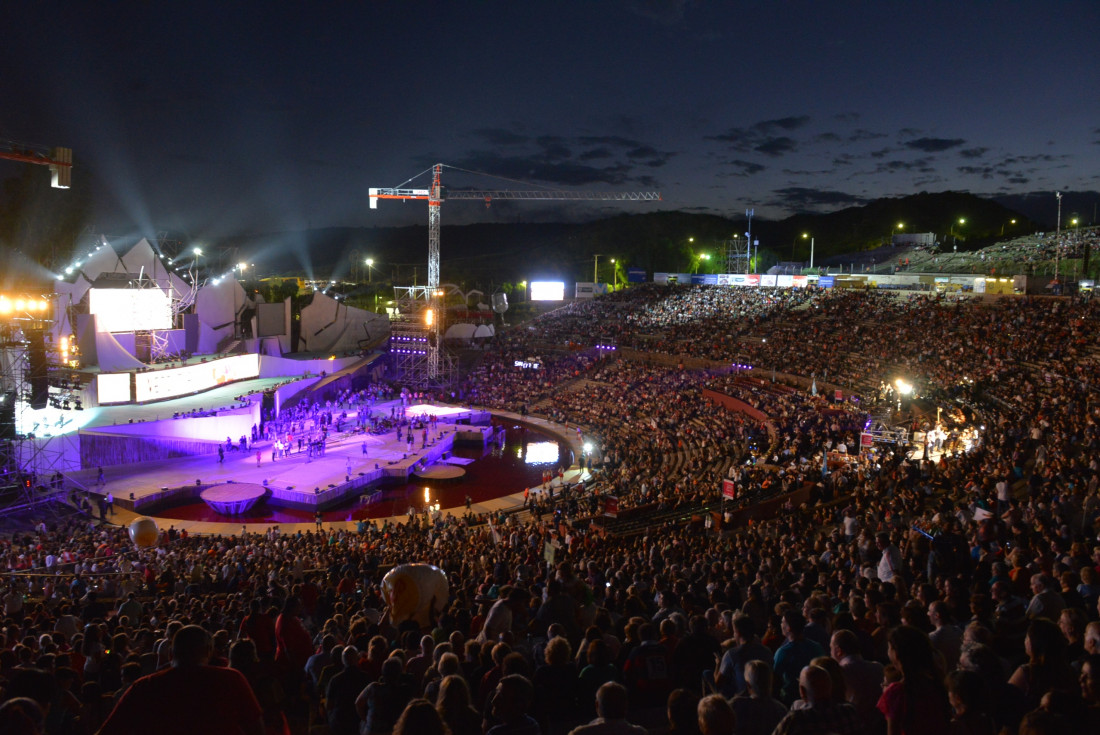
7	415
38	375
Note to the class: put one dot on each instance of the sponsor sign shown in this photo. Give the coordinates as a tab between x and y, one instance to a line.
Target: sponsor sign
160	384
729	489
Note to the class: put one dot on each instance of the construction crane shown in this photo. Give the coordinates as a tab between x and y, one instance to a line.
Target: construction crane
436	196
60	160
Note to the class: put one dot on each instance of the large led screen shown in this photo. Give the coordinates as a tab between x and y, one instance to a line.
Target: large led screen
161	384
113	388
541	453
130	309
547	290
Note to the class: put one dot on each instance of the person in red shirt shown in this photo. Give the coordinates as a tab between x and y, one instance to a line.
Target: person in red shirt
190	697
258	626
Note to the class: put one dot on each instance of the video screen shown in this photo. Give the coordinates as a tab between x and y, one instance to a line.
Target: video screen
547	290
130	309
160	384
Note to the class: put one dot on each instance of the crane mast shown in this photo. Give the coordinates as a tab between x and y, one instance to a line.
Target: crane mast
435	197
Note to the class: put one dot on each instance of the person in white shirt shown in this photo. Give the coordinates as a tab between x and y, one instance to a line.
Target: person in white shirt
890	564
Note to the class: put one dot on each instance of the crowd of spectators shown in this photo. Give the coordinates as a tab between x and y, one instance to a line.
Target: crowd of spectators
958	593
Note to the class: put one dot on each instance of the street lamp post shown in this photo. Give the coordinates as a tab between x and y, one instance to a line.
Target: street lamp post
898	226
955	237
596	268
804	236
370	267
614	275
1058	237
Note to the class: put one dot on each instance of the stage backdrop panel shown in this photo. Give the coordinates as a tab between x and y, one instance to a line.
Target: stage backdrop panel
270	320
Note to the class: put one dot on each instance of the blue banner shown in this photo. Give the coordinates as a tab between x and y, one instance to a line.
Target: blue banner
826	281
635	275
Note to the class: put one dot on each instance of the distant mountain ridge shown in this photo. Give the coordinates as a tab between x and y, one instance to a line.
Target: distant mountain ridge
655	241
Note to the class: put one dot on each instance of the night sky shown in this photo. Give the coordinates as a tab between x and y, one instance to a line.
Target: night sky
221	118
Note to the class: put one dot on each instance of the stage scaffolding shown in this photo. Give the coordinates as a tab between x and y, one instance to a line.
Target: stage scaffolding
420	361
738	255
28	456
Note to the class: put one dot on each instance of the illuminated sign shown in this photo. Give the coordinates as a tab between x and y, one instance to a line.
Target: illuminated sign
161	384
526	365
130	309
547	290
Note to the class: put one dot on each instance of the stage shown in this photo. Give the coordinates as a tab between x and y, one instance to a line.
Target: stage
353	464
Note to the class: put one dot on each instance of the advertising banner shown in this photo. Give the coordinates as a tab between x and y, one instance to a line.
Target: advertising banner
611	506
729	490
768	280
635	275
784	281
752	279
160	384
800	281
826	281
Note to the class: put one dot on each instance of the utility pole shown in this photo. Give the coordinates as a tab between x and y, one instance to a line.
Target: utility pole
1058	237
749	213
596	268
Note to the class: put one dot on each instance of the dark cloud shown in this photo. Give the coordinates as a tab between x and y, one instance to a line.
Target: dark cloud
782	123
540	169
802	199
612	140
973	152
553	148
908	132
500	136
595	154
859	134
882	152
759	137
827	138
744	168
847	117
934	145
844	159
986	172
650	156
804	172
775	147
920	164
1018	179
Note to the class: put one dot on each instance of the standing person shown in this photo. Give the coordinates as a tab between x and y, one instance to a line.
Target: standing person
99	477
318	520
729	675
795	654
257	458
890	563
916	705
167	700
110	503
